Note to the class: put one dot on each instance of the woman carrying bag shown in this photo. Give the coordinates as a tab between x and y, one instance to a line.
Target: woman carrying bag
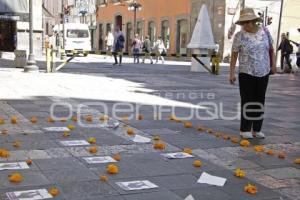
253	46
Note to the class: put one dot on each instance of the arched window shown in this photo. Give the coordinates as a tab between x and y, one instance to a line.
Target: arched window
182	36
139	29
129	36
152	31
165	33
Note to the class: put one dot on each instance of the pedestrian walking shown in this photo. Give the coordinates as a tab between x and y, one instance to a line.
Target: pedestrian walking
109	41
253	45
160	48
286	50
298	52
136	48
147	49
118	46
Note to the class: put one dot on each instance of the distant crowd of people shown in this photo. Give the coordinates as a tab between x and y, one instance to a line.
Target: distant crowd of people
115	43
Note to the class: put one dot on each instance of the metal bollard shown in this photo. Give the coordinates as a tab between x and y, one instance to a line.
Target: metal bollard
53	64
48	59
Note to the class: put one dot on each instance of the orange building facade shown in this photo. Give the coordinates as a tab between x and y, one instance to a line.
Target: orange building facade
173	20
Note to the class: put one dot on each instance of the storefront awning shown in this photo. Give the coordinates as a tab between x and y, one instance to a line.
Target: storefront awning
16	10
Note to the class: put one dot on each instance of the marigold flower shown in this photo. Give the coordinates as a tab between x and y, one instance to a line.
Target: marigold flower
297	161
64	120
159	146
33	120
188	125
29	162
270	152
259	148
74	119
2	121
17	144
54	191
235	140
218	135
50	120
92	140
226	137
172	117
201	129
117	157
210	131
156	138
239	173
125	118
89	118
4	153
14	120
188	150
104	118
93	150
282	155
66	134
245	143
130	132
4	132
197	163
16	178
251	189
71	127
140	117
103	178
112	169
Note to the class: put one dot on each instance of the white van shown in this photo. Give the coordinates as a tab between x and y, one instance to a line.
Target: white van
77	38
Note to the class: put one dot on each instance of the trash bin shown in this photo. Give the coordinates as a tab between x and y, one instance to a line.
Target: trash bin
20	58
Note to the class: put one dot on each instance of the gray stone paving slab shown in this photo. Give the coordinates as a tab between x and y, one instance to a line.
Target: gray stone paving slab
283	173
165	195
58	153
207	193
58	164
292	192
88	190
70	175
30	179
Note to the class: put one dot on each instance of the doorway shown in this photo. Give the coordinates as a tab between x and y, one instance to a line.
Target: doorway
8	35
129	36
119	22
182	36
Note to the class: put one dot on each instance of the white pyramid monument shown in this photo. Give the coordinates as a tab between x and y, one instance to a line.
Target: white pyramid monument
202	40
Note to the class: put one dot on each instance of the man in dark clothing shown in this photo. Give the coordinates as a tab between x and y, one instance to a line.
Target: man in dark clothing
147	49
286	49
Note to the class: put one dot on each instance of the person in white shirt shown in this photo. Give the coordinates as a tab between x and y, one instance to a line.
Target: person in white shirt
160	48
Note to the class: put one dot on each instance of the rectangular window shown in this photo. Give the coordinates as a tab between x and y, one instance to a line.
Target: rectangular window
77	33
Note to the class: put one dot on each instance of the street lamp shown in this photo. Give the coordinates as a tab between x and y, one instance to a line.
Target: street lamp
31	64
134	6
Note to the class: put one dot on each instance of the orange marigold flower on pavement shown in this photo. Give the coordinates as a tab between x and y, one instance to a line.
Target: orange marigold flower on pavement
259	148
188	125
71	127
172	117
130	132
64	120
29	162
197	163
33	120
140	117
4	153
17	144
270	152
50	120
297	161
92	140
93	150
112	169
226	137
235	140
14	120
159	146
125	118
156	138
251	189
201	129
210	131
103	178
74	119
2	121
117	157
104	118
245	143
4	132
239	173
54	191
188	150
15	178
218	135
89	118
282	155
66	134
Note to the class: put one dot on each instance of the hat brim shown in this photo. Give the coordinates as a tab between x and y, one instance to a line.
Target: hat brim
247	19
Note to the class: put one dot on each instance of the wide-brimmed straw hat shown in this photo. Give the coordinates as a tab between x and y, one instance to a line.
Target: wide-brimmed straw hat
246	15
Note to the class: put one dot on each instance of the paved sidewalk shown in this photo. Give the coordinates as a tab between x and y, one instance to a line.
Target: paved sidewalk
82	82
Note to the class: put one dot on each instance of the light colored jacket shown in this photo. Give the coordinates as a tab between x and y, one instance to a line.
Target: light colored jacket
110	39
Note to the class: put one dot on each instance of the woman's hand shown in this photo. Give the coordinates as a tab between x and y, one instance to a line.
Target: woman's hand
232	78
274	69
